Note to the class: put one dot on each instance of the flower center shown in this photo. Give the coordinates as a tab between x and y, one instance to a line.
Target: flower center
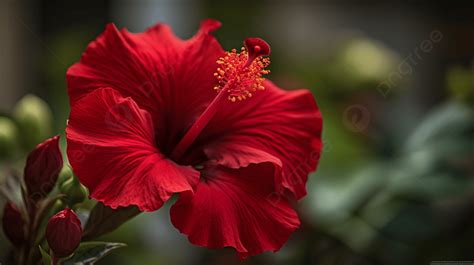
238	76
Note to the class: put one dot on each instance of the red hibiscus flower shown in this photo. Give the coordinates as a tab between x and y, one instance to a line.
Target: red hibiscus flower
153	115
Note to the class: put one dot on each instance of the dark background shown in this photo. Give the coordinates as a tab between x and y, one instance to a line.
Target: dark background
395	183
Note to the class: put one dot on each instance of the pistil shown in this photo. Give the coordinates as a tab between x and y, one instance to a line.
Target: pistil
197	127
238	76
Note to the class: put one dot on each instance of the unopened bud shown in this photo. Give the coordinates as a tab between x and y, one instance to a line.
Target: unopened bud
13	224
58	206
65	174
64	233
75	192
42	168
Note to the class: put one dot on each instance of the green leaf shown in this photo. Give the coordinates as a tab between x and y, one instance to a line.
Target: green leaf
45	256
450	121
89	253
103	220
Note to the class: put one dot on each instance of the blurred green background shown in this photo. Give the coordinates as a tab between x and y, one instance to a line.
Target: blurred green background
393	79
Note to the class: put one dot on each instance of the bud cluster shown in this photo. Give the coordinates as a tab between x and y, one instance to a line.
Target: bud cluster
22	221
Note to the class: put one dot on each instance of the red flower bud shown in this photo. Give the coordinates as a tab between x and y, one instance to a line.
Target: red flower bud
64	233
42	168
13	224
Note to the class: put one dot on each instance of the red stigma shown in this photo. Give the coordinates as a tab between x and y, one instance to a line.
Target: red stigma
257	47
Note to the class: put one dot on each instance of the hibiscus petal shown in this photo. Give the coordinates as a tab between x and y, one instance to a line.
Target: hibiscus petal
111	147
170	78
234	155
282	127
236	208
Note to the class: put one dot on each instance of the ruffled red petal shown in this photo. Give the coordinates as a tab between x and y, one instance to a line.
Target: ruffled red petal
111	147
170	78
282	127
236	208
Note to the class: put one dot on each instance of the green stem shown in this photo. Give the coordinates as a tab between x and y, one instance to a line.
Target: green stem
37	212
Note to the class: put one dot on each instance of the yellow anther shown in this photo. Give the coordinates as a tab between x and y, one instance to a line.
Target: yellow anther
239	76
